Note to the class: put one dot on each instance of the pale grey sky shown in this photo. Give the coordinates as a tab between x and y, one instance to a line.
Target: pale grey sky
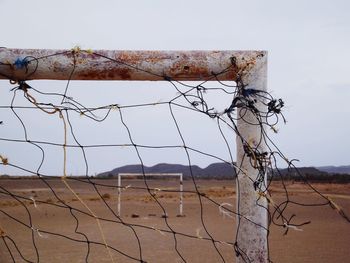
308	43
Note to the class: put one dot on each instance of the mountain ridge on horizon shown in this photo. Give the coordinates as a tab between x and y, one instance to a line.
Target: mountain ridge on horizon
223	170
212	170
341	169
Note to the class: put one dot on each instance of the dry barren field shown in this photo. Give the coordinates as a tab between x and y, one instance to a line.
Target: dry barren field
32	215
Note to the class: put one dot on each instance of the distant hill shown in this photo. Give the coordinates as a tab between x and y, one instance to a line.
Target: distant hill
226	171
304	171
313	174
345	169
215	170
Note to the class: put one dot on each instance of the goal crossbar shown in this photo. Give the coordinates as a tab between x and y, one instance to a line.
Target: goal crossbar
122	64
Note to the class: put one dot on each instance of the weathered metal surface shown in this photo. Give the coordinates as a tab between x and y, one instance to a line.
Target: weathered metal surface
76	64
251	206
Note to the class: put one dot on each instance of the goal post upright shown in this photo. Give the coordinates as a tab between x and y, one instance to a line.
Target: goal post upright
181	195
119	192
77	64
252	207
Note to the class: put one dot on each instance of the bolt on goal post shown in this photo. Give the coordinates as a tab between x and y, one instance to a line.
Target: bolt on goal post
247	67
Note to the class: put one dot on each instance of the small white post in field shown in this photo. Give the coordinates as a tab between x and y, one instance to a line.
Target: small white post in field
181	194
119	194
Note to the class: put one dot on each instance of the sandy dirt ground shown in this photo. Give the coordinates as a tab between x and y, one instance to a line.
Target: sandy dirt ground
60	233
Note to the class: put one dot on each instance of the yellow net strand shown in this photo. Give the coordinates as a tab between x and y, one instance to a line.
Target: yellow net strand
64	177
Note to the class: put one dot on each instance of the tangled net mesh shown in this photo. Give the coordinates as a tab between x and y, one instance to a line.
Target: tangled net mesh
92	230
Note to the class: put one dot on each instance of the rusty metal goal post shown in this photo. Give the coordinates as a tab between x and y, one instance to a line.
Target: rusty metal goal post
246	115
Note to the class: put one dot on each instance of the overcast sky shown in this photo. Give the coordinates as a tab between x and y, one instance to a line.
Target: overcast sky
308	43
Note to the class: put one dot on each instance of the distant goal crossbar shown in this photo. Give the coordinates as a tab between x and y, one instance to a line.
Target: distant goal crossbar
180	175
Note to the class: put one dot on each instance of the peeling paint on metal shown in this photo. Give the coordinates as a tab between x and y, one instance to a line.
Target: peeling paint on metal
125	65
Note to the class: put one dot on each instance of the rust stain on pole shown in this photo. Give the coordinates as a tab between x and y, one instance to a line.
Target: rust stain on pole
76	64
252	234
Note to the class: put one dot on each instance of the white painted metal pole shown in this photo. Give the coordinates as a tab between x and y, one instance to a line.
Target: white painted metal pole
119	193
252	234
